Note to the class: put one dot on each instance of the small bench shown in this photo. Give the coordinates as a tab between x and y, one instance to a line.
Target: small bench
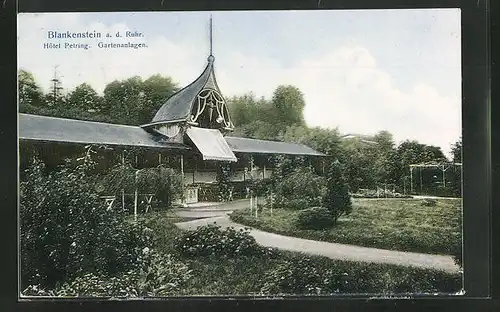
109	200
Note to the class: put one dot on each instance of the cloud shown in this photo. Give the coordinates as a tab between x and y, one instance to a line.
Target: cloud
343	88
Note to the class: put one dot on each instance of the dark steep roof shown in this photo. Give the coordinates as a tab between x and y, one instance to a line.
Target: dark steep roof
246	145
178	107
52	129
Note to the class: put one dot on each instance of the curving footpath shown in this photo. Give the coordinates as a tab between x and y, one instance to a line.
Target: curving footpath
330	250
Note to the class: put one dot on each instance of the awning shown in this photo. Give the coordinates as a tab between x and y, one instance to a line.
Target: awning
211	144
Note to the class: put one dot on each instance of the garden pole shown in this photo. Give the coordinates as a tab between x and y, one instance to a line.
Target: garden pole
123	199
444	179
411	180
271	203
256	206
421	183
251	202
135	196
182	174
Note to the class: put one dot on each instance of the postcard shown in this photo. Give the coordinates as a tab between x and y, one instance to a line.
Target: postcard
240	153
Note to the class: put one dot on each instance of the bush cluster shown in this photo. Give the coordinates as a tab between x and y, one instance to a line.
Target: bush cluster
66	228
300	189
429	202
213	240
315	218
155	275
318	276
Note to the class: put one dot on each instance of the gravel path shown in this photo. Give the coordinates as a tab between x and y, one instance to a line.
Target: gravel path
219	215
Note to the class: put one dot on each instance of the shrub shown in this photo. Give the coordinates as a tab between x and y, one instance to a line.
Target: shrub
428	202
302	275
66	228
161	274
212	240
155	275
293	277
337	198
300	189
97	285
316	218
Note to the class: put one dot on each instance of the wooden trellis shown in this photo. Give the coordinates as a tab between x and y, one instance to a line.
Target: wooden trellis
443	166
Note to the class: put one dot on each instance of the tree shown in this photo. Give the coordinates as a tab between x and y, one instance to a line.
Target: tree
124	100
29	91
157	89
55	98
358	164
326	141
383	155
337	199
243	109
84	98
456	151
289	104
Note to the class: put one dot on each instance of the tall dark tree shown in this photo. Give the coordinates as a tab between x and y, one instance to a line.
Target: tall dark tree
456	151
337	199
55	98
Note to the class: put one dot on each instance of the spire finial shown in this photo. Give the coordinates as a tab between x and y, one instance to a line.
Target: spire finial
211	35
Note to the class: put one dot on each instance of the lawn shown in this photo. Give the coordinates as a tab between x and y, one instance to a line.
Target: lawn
396	224
279	271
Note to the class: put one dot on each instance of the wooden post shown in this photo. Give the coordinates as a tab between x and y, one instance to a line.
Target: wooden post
182	165
264	172
421	182
123	200
251	202
444	178
159	158
411	180
135	196
271	203
256	206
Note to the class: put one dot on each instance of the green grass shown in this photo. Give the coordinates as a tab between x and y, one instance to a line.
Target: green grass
396	224
217	275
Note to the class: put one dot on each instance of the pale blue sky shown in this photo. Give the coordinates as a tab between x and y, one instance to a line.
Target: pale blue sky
361	71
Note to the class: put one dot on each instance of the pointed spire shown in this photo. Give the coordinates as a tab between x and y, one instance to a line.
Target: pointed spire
211	35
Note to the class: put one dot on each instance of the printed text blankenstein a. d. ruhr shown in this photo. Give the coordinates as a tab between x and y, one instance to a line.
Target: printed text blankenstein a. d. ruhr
57	43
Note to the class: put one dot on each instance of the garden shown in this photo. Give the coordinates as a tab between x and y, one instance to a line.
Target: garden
72	245
306	205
